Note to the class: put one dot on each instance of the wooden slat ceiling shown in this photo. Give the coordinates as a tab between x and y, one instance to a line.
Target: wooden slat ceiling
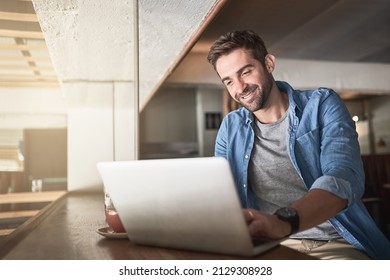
24	58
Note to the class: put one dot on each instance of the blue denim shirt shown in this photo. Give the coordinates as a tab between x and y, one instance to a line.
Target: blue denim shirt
323	148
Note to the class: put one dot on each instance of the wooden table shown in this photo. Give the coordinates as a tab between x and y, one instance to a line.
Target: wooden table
66	230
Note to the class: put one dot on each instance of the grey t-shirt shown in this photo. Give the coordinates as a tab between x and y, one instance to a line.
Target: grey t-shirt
274	179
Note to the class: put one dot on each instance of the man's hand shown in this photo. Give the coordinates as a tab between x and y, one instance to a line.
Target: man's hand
265	226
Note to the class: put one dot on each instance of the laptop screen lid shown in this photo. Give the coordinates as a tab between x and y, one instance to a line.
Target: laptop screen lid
188	203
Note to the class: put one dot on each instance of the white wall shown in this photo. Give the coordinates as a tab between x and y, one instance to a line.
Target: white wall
101	128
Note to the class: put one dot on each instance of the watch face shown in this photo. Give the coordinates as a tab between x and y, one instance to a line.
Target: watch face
286	212
290	211
289	215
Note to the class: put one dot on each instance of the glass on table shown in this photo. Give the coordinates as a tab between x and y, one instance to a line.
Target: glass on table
112	217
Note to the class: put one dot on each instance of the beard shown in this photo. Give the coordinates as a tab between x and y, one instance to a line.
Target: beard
259	100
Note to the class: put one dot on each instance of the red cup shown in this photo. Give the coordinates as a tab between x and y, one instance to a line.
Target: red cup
114	221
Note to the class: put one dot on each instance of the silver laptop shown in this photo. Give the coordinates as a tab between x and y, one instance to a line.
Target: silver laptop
188	203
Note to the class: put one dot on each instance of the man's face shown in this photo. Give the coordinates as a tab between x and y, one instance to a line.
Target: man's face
246	79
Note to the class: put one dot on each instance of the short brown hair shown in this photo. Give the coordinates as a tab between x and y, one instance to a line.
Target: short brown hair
231	41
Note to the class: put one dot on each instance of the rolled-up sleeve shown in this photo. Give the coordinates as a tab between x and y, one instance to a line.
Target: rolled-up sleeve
337	186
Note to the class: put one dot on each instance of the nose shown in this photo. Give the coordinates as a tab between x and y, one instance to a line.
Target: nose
240	86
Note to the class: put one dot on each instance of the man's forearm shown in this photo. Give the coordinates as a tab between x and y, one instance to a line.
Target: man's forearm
316	207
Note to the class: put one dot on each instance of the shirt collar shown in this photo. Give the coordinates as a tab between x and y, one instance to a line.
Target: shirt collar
285	87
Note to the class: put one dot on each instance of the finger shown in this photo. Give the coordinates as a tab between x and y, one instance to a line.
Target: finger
248	214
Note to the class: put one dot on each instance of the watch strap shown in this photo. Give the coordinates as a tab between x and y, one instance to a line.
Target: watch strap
290	215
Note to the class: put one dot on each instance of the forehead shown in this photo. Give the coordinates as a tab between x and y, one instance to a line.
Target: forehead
230	63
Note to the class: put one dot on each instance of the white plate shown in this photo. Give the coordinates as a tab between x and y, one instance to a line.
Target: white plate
109	233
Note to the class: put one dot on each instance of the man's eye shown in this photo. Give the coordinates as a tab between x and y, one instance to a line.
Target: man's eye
228	83
246	73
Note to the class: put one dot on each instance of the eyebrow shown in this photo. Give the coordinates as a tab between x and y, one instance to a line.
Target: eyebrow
238	72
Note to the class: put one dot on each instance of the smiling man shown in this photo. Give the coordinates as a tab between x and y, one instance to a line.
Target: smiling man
295	157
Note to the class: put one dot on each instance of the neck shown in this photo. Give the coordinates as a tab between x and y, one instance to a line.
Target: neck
276	108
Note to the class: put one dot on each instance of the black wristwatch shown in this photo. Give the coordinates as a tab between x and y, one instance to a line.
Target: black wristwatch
290	215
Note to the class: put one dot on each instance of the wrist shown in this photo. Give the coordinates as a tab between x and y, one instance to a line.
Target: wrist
290	217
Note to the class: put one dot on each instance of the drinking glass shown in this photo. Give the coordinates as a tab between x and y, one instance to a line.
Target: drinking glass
112	217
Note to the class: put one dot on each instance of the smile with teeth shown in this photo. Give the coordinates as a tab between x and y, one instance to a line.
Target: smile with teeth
247	94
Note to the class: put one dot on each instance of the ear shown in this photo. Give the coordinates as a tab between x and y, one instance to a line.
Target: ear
269	63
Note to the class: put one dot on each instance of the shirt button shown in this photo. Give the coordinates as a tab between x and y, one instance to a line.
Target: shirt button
246	156
244	186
